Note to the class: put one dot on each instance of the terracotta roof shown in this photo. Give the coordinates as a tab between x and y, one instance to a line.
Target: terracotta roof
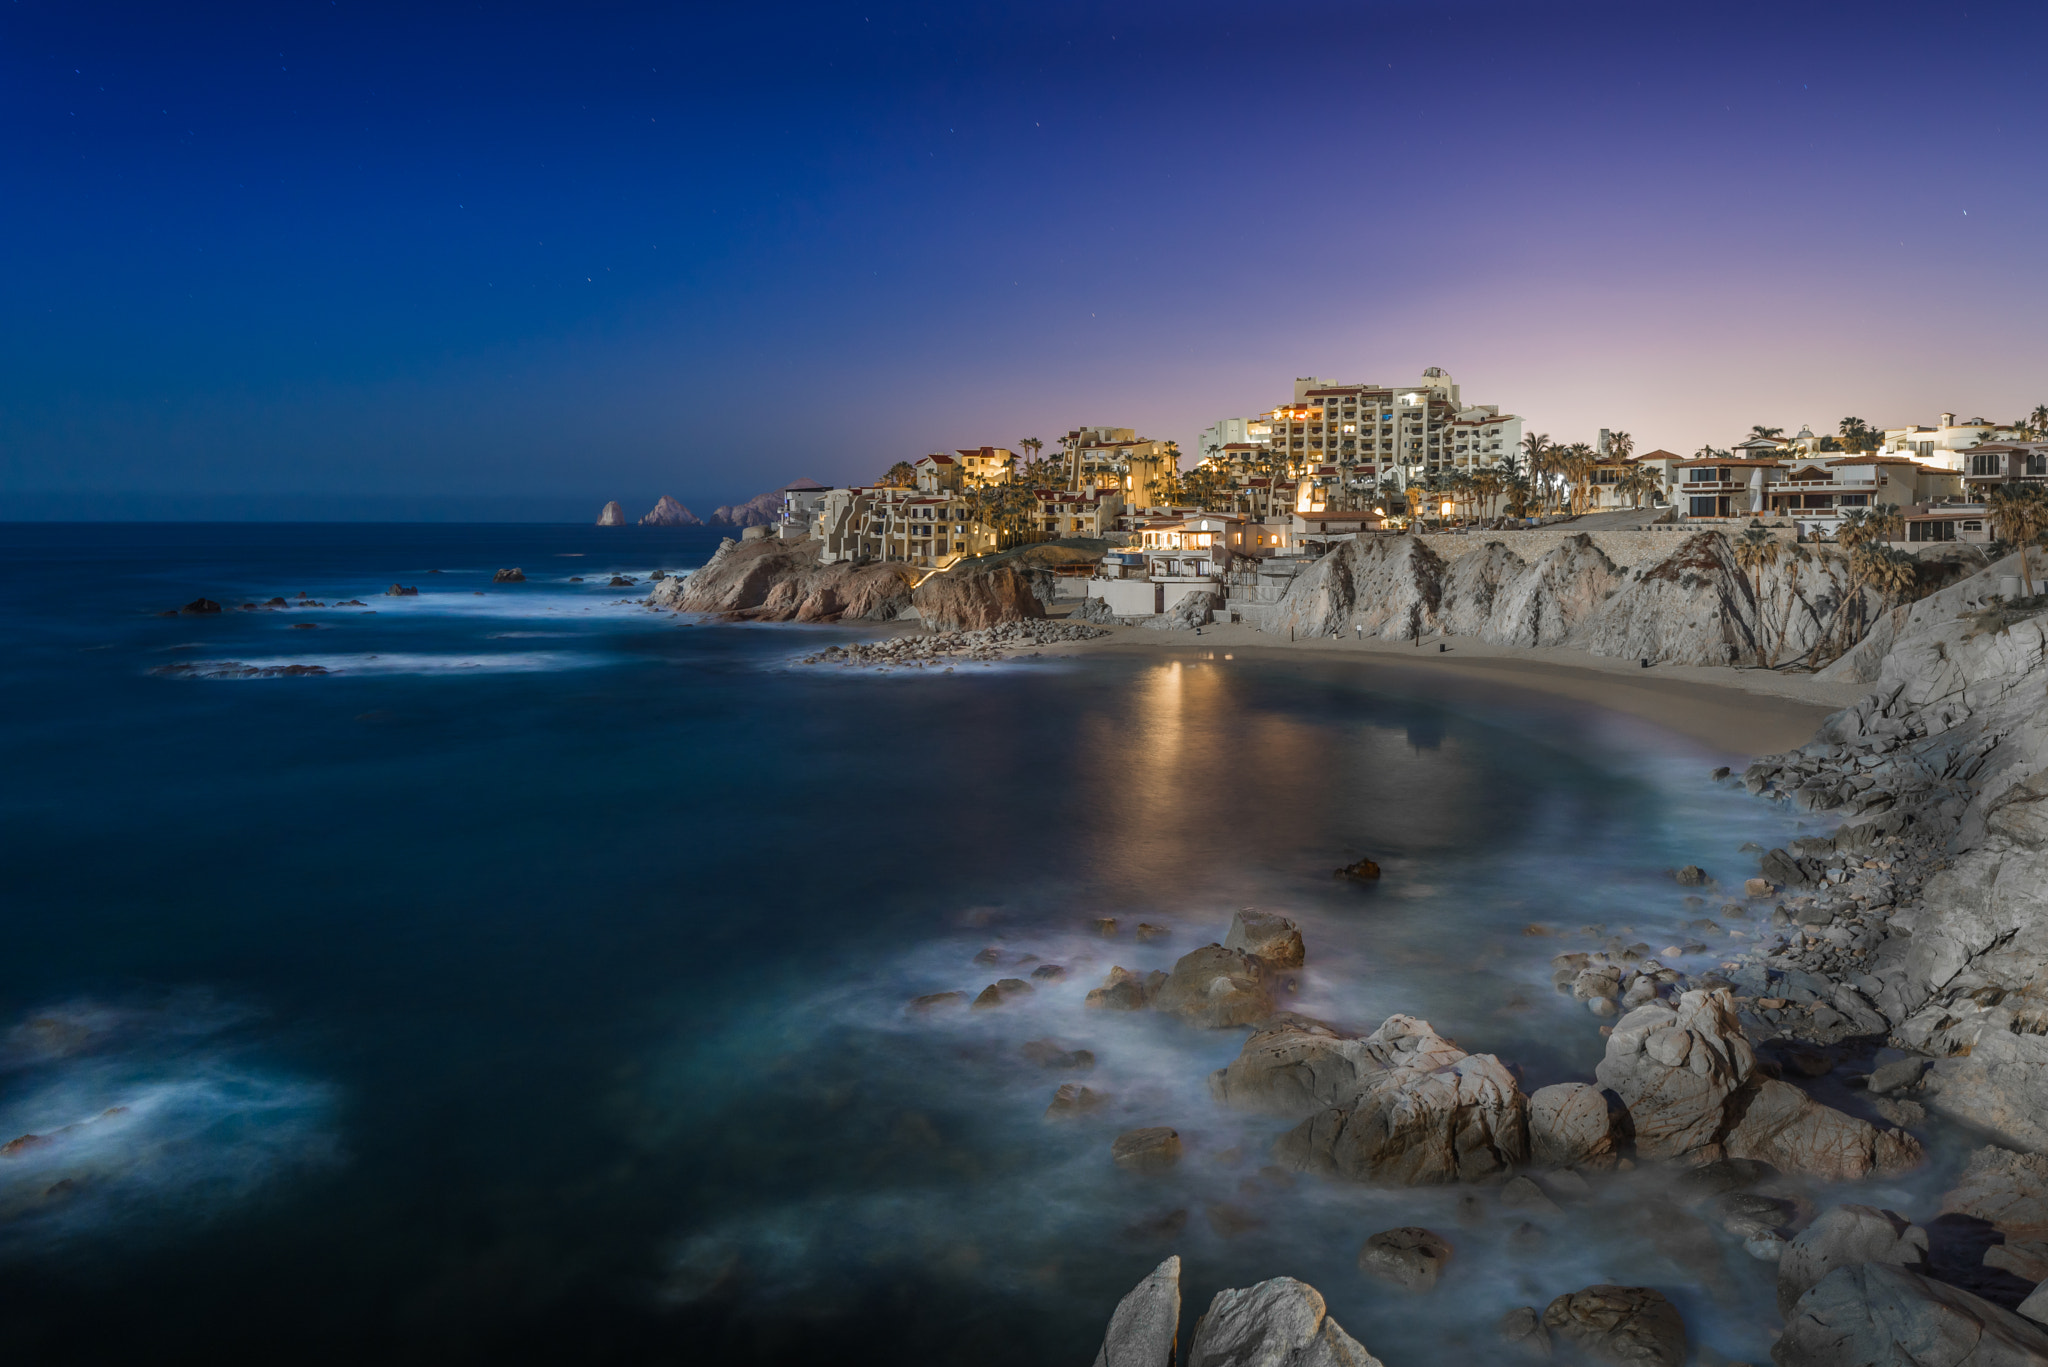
937	458
1729	460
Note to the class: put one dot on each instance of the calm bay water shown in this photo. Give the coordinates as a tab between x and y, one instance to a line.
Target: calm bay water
532	987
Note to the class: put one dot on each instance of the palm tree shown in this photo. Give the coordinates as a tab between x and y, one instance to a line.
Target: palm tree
1762	433
1536	448
1636	481
2037	421
1886	522
1755	551
2021	512
901	475
1577	468
1854	528
1894	574
1620	445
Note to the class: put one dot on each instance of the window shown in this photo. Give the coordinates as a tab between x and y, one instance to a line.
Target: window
1704	507
1930	531
2037	463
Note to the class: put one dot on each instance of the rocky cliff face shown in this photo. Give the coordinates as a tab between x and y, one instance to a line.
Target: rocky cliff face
669	513
782	581
612	515
1695	606
1944	771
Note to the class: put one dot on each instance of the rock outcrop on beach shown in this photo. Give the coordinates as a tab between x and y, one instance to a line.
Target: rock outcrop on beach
612	515
1298	1067
967	598
1875	1312
665	513
781	581
1145	1330
1696	606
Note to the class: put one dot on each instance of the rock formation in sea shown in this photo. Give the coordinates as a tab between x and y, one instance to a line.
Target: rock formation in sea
612	515
760	510
1693	606
665	513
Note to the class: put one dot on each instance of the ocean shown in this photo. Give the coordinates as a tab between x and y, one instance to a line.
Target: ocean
531	986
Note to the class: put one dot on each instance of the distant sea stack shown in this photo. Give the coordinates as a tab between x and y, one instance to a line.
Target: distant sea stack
666	513
613	515
761	509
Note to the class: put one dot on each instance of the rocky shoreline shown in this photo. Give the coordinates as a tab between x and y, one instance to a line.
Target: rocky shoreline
1900	959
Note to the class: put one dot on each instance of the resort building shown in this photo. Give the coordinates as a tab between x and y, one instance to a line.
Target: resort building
1816	492
914	526
1117	458
1944	445
1225	432
982	465
2005	462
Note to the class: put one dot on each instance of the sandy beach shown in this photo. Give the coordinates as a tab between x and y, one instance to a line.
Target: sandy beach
1752	711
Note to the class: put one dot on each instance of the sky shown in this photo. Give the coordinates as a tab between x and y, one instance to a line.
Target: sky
319	258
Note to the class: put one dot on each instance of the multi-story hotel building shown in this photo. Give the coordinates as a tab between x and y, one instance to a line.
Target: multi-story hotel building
1106	458
1368	432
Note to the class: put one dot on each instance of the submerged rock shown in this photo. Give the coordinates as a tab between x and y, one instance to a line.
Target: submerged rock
512	576
1411	1257
1122	990
1630	1324
1148	1150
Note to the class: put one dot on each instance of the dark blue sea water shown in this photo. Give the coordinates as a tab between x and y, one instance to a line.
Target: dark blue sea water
531	986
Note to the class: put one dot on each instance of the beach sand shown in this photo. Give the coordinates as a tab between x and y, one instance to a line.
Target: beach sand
1745	711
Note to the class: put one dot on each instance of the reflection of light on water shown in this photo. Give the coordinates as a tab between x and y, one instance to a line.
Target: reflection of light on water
1205	793
118	1117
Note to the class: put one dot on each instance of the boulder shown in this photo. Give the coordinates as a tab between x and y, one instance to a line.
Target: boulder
1843	1237
200	607
1051	1053
1273	940
1122	990
1364	871
1523	1328
1876	1313
512	576
1072	1099
964	599
1411	1257
1192	609
1631	1324
612	515
401	591
2006	1189
1217	987
1297	1067
1675	1067
1788	1129
1154	1149
1461	1121
937	1001
1278	1323
1144	1330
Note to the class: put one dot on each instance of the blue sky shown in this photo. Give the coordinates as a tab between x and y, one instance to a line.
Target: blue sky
348	260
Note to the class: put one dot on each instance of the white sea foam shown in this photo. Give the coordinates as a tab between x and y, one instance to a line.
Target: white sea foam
126	1119
524	662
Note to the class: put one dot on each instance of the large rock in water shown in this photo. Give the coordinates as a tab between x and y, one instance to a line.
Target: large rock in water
1675	1068
1570	1127
1631	1324
1461	1120
964	599
612	515
1144	1331
1297	1067
666	512
1843	1237
1273	940
1551	599
1278	1323
1870	1314
1216	987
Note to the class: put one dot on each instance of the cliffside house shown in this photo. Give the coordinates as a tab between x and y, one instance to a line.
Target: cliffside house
1724	487
1947	445
982	465
1117	459
1815	492
2006	462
